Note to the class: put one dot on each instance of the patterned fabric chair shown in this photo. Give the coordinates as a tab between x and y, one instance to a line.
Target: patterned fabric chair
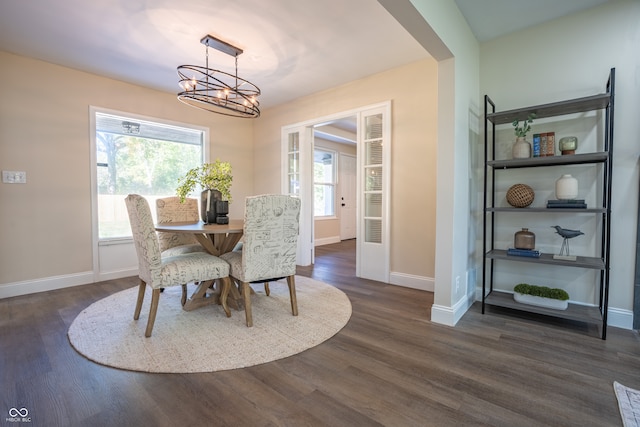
161	272
171	209
271	226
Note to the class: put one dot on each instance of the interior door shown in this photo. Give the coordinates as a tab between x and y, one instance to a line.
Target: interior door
374	163
347	183
297	146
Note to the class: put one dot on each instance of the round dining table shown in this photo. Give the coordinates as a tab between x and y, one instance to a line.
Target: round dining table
216	239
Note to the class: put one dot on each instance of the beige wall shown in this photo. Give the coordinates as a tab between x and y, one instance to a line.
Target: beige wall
413	92
44	130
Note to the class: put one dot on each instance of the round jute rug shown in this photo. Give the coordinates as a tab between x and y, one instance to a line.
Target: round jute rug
205	340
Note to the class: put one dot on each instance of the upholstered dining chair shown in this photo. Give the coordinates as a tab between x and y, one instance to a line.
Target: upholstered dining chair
159	271
271	226
169	210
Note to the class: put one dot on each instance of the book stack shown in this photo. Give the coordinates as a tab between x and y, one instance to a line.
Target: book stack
566	204
544	144
532	253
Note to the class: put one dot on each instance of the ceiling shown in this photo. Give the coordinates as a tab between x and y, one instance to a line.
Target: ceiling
291	48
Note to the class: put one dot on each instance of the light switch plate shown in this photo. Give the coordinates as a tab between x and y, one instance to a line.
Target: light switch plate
14	177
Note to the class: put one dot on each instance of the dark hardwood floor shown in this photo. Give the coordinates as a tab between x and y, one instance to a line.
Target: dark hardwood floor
389	366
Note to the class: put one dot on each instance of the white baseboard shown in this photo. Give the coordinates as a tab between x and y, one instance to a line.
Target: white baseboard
412	281
326	241
449	316
8	290
117	274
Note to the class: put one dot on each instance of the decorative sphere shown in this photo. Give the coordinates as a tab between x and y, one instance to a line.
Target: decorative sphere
520	195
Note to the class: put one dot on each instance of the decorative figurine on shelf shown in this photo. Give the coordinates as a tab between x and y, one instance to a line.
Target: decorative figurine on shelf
566	235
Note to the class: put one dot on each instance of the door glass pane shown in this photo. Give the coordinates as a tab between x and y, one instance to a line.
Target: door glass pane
374	179
294	184
373	126
294	142
373	230
373	205
294	162
373	153
293	158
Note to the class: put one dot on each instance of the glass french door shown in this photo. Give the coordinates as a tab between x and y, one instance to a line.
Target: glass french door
374	147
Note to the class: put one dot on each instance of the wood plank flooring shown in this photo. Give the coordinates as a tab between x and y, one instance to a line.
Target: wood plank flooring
390	366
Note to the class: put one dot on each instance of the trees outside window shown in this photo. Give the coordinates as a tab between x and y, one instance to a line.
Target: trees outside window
142	157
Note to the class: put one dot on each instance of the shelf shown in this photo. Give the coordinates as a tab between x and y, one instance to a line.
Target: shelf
582	313
599	162
579	105
581	261
532	162
548	210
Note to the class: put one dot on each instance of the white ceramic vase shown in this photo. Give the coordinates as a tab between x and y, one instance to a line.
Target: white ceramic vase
521	148
566	187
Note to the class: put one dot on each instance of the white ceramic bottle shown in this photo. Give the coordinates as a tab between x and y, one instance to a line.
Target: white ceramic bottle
566	187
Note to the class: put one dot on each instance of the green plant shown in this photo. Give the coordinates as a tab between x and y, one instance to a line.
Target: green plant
541	291
521	131
209	176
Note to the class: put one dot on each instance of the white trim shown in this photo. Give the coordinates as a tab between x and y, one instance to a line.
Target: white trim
450	315
412	281
326	241
118	274
26	287
620	318
305	128
99	275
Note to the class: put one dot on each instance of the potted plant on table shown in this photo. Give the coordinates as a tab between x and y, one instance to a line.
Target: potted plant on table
215	181
541	296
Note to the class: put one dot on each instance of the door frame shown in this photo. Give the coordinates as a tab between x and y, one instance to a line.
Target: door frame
305	129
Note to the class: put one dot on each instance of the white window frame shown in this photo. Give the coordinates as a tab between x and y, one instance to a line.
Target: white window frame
101	247
333	183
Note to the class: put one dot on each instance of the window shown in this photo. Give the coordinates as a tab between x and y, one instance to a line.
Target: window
324	186
139	156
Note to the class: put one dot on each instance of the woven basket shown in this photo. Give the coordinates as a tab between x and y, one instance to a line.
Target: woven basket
520	195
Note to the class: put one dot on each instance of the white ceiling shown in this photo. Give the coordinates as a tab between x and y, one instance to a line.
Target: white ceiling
489	19
291	47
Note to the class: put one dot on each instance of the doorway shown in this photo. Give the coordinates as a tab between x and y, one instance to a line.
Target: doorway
339	138
373	170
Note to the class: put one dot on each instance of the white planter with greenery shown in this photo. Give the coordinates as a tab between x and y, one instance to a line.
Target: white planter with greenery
541	296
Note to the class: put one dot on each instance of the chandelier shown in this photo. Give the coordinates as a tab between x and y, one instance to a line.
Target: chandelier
217	91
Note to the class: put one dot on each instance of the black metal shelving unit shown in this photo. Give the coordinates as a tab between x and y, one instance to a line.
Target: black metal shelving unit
492	256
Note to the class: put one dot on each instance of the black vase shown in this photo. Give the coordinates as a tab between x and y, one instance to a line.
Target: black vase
208	199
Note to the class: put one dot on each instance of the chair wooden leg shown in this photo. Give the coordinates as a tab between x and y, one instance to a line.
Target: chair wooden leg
246	293
141	289
155	297
266	288
225	285
291	281
183	300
